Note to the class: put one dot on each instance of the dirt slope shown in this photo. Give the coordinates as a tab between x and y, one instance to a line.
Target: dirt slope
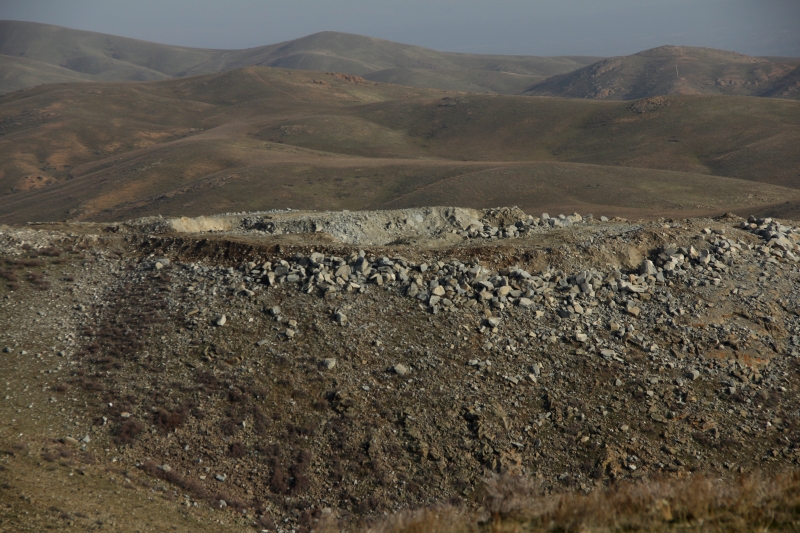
307	370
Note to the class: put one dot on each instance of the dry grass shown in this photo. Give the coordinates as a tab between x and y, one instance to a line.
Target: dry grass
753	503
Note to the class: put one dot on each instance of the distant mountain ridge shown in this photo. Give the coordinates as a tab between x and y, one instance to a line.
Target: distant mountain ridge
669	70
33	54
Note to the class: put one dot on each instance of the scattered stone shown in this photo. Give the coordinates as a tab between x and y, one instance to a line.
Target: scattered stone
221	320
647	268
329	363
400	369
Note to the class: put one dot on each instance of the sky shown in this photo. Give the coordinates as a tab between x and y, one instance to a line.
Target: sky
525	27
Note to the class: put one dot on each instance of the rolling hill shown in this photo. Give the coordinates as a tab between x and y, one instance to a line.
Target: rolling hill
664	71
264	138
33	54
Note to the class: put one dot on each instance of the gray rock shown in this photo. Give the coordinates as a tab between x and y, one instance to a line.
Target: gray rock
221	477
493	321
329	363
647	268
340	318
400	369
503	291
275	311
343	272
524	302
221	320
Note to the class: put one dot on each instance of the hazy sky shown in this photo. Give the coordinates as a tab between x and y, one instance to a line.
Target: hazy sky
535	27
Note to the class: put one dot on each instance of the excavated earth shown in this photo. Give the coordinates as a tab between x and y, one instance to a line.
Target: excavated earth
283	370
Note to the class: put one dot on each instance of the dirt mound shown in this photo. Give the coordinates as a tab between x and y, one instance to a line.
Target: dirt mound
368	228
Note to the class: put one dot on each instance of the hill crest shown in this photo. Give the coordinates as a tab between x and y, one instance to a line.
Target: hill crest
101	57
666	70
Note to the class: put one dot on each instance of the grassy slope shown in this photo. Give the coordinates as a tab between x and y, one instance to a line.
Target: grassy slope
262	138
653	73
18	73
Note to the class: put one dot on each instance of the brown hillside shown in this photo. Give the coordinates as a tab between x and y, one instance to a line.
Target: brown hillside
263	138
666	70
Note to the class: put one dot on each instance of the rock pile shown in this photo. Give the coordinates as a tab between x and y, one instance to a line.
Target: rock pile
369	227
